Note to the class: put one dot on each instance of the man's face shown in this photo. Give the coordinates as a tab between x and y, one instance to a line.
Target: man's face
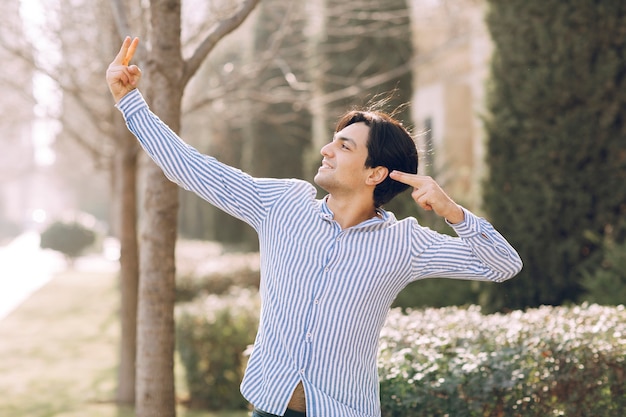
343	165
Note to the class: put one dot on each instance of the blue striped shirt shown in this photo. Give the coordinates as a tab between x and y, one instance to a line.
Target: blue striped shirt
325	291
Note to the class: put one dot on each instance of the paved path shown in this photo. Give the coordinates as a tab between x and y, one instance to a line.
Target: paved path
25	267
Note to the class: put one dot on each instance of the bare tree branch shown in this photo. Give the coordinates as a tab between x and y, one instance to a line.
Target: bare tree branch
233	82
222	29
18	88
100	157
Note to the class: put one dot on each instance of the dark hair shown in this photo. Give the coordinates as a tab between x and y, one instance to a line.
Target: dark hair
389	144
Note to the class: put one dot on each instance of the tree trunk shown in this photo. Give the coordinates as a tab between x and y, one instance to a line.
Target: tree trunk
165	78
155	343
126	218
320	132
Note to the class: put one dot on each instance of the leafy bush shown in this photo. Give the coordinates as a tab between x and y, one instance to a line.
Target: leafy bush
547	361
439	362
71	238
211	335
202	271
606	283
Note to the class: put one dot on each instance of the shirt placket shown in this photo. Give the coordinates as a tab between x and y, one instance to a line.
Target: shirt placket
316	299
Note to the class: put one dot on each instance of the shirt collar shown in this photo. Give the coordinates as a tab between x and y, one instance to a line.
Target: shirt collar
382	218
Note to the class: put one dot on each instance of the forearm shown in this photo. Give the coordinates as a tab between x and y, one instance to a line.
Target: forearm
488	245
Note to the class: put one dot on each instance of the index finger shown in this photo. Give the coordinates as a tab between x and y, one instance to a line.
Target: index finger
414	180
130	50
126	52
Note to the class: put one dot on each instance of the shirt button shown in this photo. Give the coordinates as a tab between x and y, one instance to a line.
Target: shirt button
302	371
326	269
316	302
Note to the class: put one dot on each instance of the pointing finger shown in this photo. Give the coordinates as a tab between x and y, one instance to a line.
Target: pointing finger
429	195
413	180
130	50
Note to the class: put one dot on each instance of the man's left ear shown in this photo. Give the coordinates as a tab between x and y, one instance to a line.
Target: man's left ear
377	175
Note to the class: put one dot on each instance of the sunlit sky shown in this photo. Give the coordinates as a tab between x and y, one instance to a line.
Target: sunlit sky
45	91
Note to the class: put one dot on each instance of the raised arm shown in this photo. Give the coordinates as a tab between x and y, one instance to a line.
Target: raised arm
121	77
227	188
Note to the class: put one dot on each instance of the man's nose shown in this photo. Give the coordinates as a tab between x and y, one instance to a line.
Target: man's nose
326	149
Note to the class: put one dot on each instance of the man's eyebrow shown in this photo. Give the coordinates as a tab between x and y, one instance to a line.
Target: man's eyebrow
344	139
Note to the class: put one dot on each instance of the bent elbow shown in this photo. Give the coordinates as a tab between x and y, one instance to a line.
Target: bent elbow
515	267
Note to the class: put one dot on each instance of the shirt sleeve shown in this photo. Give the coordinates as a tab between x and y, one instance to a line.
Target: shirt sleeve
227	188
478	252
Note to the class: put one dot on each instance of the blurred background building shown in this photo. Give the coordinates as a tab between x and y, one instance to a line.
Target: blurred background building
452	48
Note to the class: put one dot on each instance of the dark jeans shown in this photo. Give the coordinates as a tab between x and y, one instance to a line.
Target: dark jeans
288	413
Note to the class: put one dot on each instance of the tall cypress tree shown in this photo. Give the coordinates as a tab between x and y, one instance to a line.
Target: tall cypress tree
556	140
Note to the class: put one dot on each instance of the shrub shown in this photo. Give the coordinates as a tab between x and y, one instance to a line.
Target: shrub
71	238
606	282
211	335
547	361
202	269
437	362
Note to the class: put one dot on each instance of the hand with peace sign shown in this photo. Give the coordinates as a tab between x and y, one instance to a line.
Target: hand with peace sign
429	195
121	77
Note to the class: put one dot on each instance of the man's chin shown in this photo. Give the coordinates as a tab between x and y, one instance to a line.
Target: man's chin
319	181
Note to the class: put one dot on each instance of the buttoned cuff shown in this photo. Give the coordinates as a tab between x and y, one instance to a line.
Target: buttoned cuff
131	103
469	227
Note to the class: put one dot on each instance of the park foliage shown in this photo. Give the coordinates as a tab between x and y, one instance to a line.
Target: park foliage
558	361
556	140
212	335
70	238
432	362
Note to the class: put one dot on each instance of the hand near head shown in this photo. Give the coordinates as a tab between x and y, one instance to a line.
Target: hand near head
429	195
121	77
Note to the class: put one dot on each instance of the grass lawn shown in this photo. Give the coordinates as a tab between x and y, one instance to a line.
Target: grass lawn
58	351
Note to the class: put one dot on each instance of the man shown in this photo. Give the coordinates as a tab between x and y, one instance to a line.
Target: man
330	268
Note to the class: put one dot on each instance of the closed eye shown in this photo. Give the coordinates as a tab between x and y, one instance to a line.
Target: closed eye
346	143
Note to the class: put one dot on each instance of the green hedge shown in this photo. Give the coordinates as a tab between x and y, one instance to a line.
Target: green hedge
606	282
567	361
69	238
215	274
544	362
211	335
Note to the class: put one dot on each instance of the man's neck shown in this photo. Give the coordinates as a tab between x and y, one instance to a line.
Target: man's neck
350	212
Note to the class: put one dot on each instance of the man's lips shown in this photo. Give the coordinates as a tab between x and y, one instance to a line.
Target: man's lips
325	165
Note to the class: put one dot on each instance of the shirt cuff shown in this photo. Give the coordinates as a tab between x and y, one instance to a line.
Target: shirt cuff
131	103
469	227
